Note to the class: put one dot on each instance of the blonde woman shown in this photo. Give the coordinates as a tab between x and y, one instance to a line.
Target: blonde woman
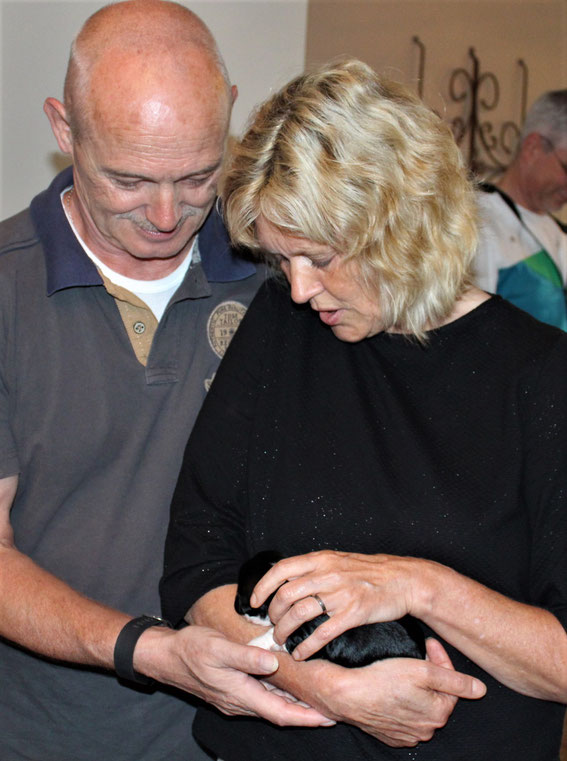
396	433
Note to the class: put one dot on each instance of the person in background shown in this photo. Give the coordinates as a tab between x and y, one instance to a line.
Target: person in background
397	434
522	253
119	293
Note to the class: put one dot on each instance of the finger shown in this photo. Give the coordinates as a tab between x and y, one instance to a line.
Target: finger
455	683
246	658
279	710
300	612
437	654
313	593
284	570
283	693
323	634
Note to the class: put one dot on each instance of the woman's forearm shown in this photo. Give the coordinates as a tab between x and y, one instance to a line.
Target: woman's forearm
216	610
523	646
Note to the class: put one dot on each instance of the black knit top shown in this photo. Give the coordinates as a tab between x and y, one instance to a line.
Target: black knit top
455	451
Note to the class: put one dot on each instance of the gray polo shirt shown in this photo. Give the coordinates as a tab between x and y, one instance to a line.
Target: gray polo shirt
97	439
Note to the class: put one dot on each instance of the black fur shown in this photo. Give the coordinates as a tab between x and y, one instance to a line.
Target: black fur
249	575
356	647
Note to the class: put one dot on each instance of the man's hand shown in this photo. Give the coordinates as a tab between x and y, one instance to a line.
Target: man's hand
207	664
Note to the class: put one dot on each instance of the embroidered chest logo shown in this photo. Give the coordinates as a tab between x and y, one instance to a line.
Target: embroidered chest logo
222	325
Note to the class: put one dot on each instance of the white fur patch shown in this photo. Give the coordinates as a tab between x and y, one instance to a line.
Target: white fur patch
261	620
267	642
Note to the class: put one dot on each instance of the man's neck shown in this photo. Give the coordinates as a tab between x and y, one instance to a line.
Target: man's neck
514	185
116	260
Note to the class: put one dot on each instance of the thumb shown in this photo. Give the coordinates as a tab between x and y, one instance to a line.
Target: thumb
446	679
457	684
437	654
253	660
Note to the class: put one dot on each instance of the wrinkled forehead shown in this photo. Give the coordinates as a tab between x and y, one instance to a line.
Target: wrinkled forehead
153	93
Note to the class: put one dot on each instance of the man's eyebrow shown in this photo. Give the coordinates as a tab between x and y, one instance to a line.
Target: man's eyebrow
143	178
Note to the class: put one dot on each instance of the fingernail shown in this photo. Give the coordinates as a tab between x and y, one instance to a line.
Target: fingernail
478	687
254	601
328	723
296	655
269	663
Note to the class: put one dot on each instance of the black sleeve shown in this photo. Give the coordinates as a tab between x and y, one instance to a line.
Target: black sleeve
545	481
205	543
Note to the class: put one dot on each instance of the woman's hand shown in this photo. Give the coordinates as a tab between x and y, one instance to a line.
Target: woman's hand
354	589
528	654
399	701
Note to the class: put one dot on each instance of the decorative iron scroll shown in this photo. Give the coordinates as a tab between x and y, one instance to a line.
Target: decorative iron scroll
488	149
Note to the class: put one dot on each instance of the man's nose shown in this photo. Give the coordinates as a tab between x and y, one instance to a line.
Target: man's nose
163	210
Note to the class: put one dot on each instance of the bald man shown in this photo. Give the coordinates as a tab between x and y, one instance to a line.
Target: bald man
119	295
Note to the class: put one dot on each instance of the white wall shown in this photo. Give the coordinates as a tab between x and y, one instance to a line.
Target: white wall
263	42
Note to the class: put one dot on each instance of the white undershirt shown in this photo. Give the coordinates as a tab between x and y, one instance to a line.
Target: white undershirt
155	293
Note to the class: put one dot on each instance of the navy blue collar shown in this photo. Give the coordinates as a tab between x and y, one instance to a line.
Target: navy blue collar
68	266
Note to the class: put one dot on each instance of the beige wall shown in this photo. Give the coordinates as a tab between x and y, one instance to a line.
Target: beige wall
267	41
263	42
380	32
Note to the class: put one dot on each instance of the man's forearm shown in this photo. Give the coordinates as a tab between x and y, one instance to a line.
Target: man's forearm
45	615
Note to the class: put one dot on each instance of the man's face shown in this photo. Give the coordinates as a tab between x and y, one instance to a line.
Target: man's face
548	177
146	176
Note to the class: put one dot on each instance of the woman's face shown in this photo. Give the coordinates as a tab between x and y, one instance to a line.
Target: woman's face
319	275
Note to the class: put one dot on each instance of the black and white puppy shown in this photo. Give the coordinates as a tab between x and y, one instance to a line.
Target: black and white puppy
356	647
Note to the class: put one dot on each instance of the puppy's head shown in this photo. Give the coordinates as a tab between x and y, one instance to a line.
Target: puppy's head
249	575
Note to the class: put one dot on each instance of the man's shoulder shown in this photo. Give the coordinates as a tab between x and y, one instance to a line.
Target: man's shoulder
22	260
17	233
500	227
491	202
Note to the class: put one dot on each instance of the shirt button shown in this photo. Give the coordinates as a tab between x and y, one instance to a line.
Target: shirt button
139	327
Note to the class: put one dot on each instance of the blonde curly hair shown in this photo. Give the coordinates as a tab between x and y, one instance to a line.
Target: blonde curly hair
346	158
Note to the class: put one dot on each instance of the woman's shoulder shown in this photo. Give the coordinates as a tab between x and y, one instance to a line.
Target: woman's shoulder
489	317
509	320
519	345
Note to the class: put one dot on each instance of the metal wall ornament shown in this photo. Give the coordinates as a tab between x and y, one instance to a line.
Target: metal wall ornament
487	148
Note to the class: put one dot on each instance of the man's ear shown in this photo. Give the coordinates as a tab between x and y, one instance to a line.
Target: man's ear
57	115
532	146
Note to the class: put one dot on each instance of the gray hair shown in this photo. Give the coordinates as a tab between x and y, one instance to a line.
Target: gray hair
548	117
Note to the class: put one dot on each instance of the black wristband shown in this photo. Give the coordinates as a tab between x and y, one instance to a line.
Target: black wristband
125	644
